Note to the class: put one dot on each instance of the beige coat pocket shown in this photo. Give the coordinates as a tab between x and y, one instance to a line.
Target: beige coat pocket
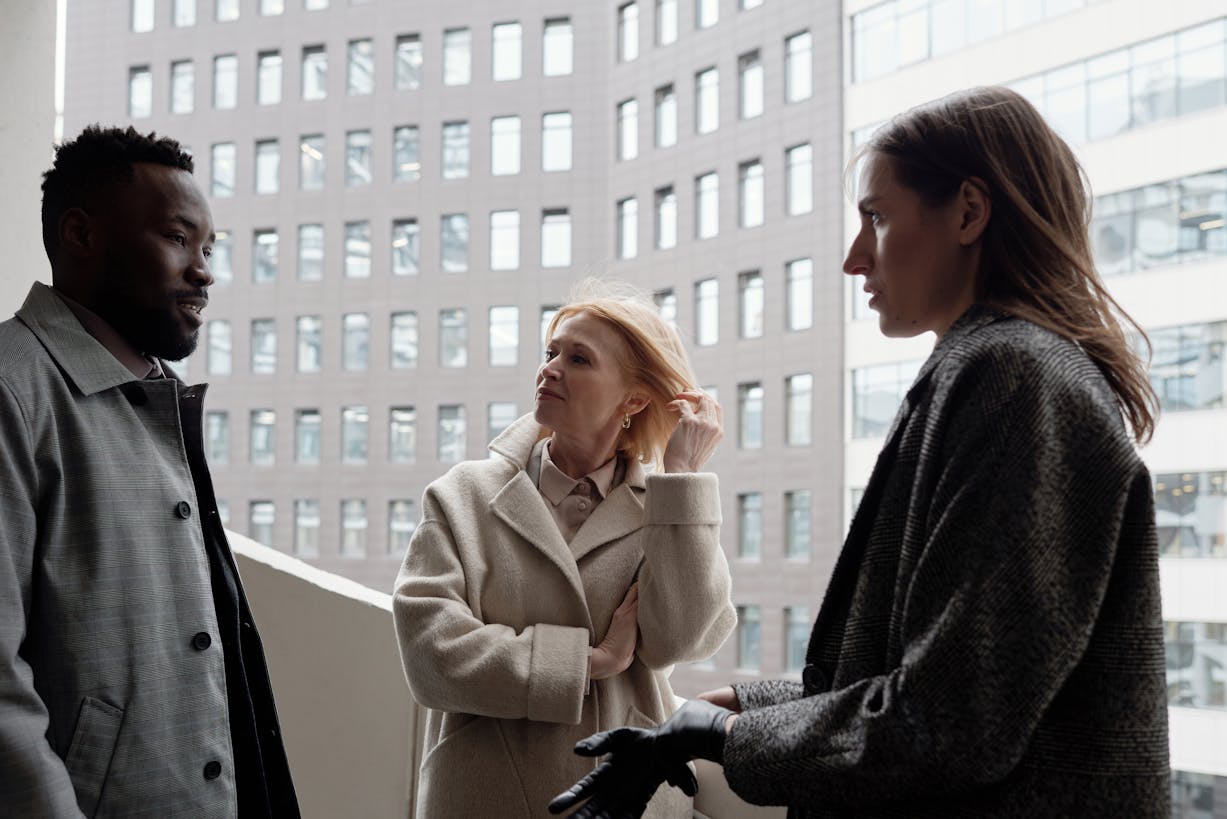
469	774
91	749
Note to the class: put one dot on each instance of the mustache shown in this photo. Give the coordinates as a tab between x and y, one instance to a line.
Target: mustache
201	293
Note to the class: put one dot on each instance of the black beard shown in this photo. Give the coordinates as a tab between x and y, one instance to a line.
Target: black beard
151	331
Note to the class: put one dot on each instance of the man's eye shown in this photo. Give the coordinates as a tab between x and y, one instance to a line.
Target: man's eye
179	239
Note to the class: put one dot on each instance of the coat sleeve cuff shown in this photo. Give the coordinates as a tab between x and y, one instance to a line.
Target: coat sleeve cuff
558	674
682	498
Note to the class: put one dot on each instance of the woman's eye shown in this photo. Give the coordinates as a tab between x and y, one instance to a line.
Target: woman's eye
579	359
208	252
549	354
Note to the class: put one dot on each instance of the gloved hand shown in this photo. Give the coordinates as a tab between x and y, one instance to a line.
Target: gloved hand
640	760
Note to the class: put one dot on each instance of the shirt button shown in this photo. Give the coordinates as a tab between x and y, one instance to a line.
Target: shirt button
212	770
202	641
183	509
583	505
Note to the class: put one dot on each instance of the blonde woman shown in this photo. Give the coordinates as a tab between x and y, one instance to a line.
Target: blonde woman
549	588
991	642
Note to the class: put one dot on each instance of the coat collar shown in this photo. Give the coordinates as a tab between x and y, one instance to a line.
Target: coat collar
88	364
974	318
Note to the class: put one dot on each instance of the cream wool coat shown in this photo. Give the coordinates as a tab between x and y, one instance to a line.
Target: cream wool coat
495	614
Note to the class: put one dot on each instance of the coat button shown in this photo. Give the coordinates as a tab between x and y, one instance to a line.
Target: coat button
212	770
202	641
813	679
183	509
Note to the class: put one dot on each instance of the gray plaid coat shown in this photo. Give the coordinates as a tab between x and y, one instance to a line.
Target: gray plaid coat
111	702
991	642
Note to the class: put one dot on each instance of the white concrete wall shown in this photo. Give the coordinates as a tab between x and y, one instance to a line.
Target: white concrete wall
27	125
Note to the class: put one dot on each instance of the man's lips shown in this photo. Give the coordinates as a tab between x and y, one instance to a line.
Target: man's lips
191	307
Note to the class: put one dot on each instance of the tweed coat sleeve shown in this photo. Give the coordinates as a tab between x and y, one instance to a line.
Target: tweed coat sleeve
685	608
456	662
33	778
1019	538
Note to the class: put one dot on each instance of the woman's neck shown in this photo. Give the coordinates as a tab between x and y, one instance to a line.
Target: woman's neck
577	458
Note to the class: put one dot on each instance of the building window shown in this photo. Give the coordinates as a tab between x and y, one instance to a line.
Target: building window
353	528
555	238
455	150
225	81
750	302
877	393
357	250
226	10
707	205
222	173
750	415
1193	794
750	194
797	628
457	57
140	92
356	341
799	175
219	348
628	228
749	635
406	247
402	435
798	67
506	52
454	241
314	73
217	437
360	73
799	294
666	218
310	346
263	346
357	158
268	166
268	78
264	256
750	84
1196	671
310	253
504	146
547	317
799	409
408	62
1191	514
315	5
263	424
453	338
750	525
311	163
628	129
307	528
1188	367
183	13
666	306
402	521
223	511
707	101
666	117
556	47
404	341
666	22
504	240
272	8
221	261
354	438
406	154
556	141
451	434
799	532
307	436
182	87
628	31
707	312
499	416
260	518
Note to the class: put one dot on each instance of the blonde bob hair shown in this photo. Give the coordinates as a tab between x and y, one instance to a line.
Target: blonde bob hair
655	362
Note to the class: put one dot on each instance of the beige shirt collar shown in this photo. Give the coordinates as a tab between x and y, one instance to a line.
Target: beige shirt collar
556	484
139	365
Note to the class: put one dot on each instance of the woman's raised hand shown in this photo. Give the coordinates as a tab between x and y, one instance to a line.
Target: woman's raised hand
614	654
700	426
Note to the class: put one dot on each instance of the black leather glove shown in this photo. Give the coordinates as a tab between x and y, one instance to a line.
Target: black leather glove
641	760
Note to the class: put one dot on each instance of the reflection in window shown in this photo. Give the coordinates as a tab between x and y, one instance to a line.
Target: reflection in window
306	528
263	424
666	117
1193	795
457	56
263	346
750	303
666	305
799	179
406	247
357	158
799	295
402	520
360	74
310	253
706	312
264	256
628	31
1191	514
454	241
183	13
628	129
799	531
750	194
314	73
499	416
221	183
798	67
357	250
354	438
750	415
628	228
402	435
408	61
451	434
707	101
504	146
355	341
556	46
506	51
750	525
707	205
799	409
406	154
182	87
750	84
268	78
666	22
307	436
455	150
749	638
453	338
797	628
1187	367
260	519
217	359
309	352
217	436
555	238
504	336
404	341
221	261
666	219
311	163
227	10
353	528
268	166
225	81
504	240
707	13
556	141
1196	664
877	393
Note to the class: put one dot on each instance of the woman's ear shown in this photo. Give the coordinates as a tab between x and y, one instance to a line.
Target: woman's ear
635	403
975	209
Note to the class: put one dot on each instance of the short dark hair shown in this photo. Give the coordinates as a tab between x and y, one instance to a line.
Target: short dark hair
93	165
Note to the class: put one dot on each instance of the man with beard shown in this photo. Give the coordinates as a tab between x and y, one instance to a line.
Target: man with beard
132	678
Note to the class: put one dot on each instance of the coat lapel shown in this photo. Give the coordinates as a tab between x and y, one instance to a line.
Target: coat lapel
615	517
519	505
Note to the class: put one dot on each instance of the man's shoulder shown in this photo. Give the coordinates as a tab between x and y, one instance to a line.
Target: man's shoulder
24	361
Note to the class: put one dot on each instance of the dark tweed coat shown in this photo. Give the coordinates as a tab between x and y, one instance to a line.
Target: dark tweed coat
991	641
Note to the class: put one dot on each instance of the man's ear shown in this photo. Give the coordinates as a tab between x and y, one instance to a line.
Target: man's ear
975	209
78	233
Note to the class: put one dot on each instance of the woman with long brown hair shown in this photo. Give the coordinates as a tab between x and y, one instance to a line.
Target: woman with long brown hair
991	641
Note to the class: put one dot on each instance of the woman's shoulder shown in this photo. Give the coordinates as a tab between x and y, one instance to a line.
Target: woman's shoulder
468	479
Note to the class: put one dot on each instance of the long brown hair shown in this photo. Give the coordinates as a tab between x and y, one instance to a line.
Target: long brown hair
1036	260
